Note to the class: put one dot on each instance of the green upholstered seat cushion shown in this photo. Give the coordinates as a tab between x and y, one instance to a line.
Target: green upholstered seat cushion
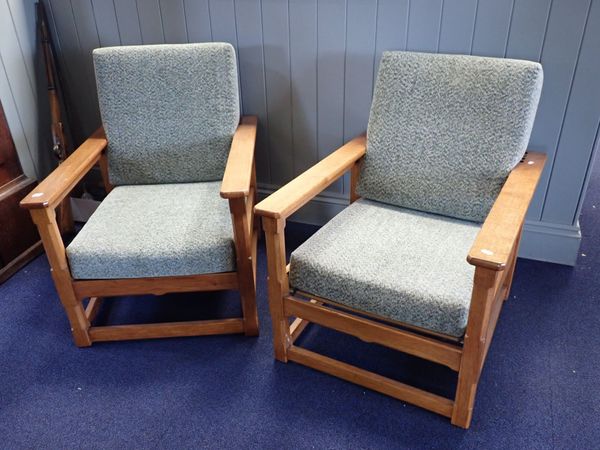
169	111
445	130
397	263
155	230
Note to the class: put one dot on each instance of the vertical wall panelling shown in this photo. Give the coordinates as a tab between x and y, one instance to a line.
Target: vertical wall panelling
579	129
252	77
128	21
360	53
23	18
173	20
87	32
458	26
18	89
106	23
277	70
492	26
11	110
331	54
391	29
303	69
197	18
528	28
560	54
307	69
72	76
22	90
151	25
223	20
424	25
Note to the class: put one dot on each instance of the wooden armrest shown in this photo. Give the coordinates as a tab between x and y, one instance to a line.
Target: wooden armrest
238	171
500	231
289	198
50	192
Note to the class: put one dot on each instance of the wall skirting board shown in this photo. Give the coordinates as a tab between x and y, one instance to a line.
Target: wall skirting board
550	242
541	241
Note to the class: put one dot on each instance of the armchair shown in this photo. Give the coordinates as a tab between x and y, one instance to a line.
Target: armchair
423	258
179	168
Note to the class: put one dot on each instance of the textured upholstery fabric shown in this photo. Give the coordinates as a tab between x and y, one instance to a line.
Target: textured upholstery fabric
169	111
397	263
155	230
445	130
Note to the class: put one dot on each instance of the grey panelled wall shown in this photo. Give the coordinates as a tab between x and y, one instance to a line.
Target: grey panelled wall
21	90
307	69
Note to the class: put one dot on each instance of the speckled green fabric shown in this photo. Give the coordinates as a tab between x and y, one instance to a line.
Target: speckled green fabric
397	263
446	130
153	231
169	111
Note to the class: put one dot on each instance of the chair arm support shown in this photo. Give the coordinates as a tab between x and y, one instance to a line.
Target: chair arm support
289	198
55	187
501	229
238	171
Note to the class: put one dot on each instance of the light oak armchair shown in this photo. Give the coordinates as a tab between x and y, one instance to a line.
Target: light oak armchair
423	258
179	167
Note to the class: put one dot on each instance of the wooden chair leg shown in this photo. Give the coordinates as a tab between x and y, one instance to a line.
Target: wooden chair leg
245	264
45	219
278	285
484	290
249	311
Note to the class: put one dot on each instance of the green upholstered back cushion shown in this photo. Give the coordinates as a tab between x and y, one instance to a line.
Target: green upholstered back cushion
446	130
169	111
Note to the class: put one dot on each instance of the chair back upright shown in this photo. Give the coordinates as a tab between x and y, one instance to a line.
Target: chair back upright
169	111
445	130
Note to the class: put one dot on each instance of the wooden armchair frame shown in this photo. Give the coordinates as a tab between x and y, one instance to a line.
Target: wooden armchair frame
238	186
493	254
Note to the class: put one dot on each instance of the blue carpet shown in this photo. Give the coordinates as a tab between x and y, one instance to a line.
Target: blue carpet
539	388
